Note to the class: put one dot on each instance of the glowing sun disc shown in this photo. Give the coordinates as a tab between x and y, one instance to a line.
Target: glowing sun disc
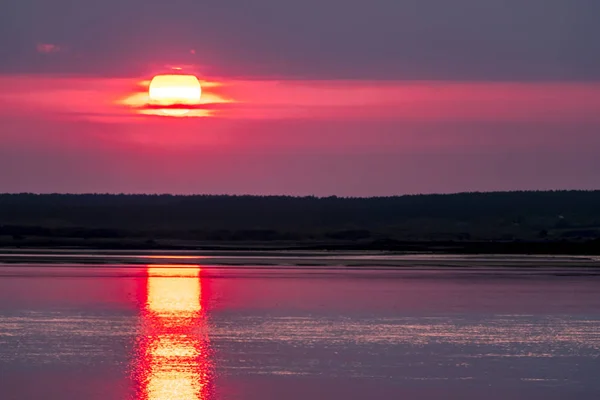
166	90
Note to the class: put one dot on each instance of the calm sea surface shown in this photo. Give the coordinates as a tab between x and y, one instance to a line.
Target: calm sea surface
172	332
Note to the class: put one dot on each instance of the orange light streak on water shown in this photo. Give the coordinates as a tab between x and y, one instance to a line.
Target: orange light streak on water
173	356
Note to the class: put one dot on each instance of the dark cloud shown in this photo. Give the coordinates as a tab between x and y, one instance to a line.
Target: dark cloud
377	39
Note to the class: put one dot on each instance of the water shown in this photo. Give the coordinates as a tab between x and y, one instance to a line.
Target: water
189	332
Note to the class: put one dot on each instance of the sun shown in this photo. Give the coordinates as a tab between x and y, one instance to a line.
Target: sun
174	90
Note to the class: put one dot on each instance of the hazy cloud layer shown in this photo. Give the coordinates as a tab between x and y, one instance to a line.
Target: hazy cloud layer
378	39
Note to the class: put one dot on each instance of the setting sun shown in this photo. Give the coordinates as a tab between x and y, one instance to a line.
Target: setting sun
167	90
173	90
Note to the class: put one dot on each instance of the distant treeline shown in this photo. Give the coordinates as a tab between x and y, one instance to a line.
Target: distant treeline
500	216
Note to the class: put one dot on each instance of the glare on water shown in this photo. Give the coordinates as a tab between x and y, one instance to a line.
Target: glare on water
173	364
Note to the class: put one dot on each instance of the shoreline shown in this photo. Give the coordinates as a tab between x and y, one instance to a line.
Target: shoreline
291	259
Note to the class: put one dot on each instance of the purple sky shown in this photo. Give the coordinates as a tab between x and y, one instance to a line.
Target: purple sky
340	97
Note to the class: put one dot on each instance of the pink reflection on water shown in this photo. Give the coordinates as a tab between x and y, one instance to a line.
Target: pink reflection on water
172	360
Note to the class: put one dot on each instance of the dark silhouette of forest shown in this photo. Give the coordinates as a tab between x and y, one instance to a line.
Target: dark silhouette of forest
522	220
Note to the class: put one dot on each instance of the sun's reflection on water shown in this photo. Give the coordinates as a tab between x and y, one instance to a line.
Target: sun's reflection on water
173	355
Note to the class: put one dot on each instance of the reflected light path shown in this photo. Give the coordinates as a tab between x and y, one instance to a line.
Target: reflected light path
173	360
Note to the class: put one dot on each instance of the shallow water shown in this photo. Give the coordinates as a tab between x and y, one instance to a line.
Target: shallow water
175	332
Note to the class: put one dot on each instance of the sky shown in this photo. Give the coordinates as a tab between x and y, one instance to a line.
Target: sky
313	97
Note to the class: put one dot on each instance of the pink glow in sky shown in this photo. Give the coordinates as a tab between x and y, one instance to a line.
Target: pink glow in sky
60	98
80	134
